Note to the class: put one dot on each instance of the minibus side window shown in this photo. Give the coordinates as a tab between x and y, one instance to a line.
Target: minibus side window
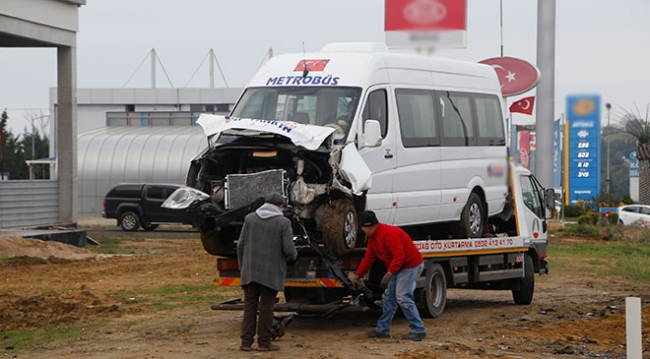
376	109
417	118
490	122
456	119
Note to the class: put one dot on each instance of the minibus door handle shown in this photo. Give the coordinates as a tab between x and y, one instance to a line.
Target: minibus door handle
388	155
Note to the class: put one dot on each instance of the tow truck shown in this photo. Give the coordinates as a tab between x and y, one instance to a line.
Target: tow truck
507	257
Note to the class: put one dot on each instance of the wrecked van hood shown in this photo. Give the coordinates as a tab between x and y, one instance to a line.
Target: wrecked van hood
307	136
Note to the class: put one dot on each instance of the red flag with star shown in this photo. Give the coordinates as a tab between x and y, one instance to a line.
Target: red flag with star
525	105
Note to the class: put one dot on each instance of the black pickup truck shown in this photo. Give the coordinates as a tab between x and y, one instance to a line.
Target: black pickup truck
138	204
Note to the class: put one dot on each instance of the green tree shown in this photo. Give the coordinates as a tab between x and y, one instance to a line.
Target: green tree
13	157
17	149
620	145
639	127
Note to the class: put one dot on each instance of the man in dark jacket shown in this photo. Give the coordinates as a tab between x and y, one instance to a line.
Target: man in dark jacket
404	263
264	247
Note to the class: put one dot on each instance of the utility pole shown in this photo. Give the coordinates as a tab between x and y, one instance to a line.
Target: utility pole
545	104
608	106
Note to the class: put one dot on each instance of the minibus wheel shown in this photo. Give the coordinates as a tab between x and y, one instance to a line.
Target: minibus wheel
472	219
219	243
340	226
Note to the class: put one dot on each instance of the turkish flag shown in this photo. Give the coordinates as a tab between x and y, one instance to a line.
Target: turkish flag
525	105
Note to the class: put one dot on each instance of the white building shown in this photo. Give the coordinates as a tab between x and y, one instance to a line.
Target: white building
117	142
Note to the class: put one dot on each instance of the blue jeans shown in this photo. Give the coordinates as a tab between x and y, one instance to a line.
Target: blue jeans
400	293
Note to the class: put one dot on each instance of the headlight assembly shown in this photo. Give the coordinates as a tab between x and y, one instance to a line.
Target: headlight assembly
183	198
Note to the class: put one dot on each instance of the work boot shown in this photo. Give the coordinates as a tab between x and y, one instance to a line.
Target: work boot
375	334
270	348
245	348
414	336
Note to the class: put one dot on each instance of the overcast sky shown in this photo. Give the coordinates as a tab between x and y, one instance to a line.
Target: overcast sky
602	47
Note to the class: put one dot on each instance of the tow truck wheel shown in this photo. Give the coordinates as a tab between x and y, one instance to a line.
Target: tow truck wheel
340	226
472	219
524	292
432	298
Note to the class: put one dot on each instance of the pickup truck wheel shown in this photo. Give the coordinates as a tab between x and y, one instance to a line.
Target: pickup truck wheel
431	299
129	222
340	226
149	226
526	286
472	219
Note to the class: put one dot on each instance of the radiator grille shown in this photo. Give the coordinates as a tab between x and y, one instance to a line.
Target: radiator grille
242	189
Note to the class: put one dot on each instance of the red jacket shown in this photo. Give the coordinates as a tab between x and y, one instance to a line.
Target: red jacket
391	245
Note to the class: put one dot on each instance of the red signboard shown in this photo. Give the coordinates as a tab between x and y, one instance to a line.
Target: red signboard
425	15
515	76
524	148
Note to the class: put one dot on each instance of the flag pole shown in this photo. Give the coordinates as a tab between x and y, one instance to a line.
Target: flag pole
2	158
501	23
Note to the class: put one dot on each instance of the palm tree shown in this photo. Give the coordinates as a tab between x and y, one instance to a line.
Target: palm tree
639	127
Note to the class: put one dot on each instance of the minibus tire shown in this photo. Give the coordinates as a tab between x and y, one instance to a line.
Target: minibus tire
212	243
340	226
473	211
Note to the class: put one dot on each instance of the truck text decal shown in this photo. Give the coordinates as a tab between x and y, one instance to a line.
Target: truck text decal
328	80
450	245
285	126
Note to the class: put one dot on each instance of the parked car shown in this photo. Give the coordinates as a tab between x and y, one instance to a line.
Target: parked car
638	214
138	204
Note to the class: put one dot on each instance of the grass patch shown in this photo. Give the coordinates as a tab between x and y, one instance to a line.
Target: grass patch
22	260
176	297
115	245
16	341
624	259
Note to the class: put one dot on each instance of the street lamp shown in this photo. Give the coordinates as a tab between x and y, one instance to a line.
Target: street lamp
608	106
32	119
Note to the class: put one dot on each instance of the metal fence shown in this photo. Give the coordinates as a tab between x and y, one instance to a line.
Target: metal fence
28	203
156	118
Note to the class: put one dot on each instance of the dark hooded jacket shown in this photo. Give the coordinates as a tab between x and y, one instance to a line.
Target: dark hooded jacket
265	245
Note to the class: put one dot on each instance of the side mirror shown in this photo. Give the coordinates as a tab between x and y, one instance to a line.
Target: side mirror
371	134
549	198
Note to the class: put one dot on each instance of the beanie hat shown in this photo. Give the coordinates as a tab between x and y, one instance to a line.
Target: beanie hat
276	199
368	219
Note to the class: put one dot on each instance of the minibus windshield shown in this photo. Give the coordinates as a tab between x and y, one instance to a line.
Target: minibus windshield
322	106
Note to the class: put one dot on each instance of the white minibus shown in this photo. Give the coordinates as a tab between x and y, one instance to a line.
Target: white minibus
420	140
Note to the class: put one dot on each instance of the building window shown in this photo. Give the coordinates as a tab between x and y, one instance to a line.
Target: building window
223	107
129	108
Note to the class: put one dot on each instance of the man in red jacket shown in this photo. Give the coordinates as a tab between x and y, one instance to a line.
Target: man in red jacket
404	263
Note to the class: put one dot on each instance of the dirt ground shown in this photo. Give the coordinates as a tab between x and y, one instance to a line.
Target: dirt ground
155	303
